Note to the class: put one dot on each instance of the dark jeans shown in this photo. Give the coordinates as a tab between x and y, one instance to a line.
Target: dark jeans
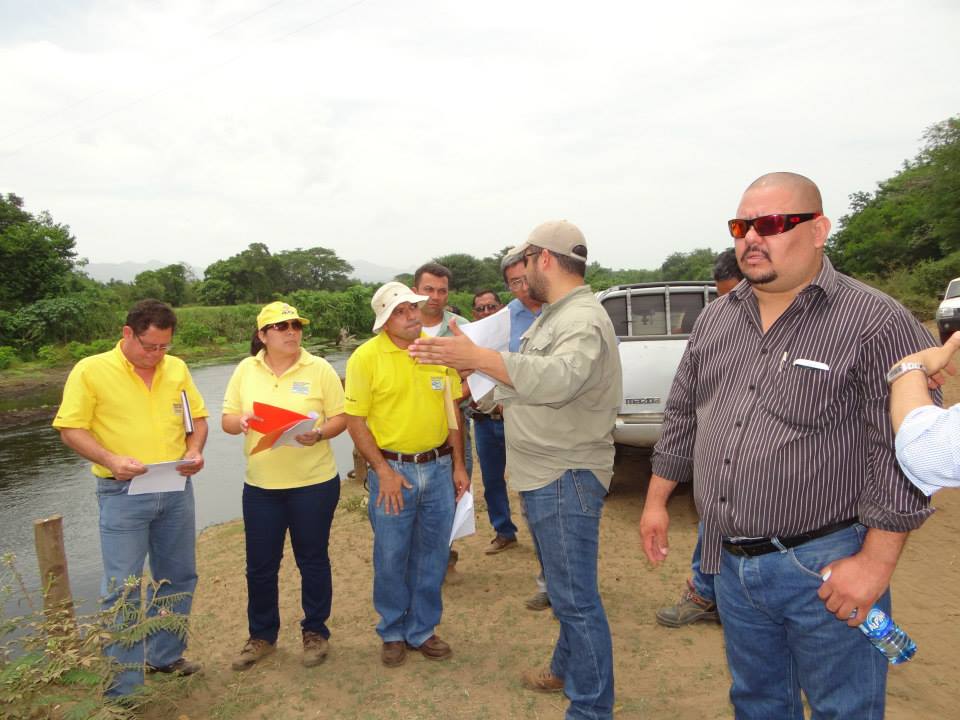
308	513
492	452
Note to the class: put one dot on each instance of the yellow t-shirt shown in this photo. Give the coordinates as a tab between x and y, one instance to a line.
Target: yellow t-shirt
104	395
311	384
402	400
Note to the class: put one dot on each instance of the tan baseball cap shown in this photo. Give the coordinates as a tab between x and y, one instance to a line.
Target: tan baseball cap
387	297
559	236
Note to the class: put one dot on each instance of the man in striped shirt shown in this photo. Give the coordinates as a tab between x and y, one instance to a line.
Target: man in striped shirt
778	413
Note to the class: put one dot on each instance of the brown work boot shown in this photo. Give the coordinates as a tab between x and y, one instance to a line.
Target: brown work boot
393	653
314	648
181	667
433	648
691	608
255	650
452	577
539	601
542	680
499	544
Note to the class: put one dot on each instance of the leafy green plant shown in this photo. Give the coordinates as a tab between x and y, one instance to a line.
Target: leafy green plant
8	356
52	664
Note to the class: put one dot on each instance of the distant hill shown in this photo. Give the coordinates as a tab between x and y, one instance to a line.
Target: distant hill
371	272
127	271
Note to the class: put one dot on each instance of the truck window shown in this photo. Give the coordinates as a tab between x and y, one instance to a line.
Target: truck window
616	308
684	309
649	315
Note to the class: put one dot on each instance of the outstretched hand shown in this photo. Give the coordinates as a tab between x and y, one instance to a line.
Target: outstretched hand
456	351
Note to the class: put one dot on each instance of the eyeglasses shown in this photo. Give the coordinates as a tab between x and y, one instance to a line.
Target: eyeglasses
283	325
152	347
528	254
486	308
768	224
517	283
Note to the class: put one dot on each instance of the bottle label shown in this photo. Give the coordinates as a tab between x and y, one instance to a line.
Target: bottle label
877	623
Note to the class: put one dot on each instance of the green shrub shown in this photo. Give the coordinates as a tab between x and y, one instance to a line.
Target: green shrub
8	356
52	355
191	333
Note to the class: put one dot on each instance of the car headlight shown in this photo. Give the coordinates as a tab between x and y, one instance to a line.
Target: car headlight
943	313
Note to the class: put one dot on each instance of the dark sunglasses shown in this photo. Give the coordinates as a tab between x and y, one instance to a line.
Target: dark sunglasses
768	224
528	254
283	325
486	308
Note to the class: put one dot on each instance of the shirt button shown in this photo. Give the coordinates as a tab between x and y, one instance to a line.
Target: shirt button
751	388
763	351
723	499
726	461
738	423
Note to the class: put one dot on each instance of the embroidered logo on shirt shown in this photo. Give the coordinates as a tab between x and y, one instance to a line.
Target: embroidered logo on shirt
436	382
300	388
177	408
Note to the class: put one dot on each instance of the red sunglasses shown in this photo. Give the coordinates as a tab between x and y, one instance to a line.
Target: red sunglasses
768	224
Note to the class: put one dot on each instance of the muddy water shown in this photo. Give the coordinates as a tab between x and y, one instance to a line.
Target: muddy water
40	477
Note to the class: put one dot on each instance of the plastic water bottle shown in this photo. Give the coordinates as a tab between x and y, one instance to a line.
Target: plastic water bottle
888	637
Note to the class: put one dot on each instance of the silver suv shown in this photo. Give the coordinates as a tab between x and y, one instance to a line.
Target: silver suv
948	314
653	322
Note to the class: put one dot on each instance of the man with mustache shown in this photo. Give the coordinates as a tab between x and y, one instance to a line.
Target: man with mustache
399	415
778	414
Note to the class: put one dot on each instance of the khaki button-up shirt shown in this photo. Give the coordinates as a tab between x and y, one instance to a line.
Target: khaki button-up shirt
567	386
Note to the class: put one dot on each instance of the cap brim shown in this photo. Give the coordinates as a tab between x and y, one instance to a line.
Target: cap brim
517	250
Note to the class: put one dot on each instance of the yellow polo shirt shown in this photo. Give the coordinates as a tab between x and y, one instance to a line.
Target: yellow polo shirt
311	384
401	399
104	395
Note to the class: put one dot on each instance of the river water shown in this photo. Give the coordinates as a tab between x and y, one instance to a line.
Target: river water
39	477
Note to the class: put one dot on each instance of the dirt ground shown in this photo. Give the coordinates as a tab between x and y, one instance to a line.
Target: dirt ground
660	672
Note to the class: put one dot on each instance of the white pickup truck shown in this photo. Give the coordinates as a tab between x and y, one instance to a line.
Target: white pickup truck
653	322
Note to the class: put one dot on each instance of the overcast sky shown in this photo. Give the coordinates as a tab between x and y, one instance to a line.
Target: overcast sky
397	131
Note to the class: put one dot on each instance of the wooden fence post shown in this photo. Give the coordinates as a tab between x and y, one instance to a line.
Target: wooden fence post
52	559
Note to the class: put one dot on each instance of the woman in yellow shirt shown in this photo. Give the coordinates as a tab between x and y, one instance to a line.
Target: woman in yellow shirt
287	487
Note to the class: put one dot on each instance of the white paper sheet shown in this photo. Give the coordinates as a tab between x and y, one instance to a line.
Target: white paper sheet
289	436
464	521
159	477
491	332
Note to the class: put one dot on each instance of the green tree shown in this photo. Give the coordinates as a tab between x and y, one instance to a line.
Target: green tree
253	275
693	265
470	273
316	268
912	217
170	284
37	255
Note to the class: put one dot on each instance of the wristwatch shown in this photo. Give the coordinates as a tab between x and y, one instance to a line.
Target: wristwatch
903	368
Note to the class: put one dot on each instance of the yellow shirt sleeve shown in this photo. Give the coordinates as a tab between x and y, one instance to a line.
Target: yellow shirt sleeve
358	391
332	389
232	402
79	402
456	387
198	408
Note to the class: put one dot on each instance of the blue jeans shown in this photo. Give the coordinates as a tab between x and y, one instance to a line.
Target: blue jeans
702	582
492	453
410	551
564	519
131	527
308	513
780	638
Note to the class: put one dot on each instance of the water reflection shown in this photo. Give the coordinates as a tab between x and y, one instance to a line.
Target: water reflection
39	477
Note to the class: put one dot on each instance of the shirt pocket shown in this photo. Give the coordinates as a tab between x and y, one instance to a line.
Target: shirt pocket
538	344
810	397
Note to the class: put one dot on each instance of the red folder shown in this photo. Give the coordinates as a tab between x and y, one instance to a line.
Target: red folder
272	421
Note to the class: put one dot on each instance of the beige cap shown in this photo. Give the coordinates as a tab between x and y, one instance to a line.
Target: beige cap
559	236
387	297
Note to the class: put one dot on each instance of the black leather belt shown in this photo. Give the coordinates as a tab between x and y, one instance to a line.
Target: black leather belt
762	546
483	417
420	457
